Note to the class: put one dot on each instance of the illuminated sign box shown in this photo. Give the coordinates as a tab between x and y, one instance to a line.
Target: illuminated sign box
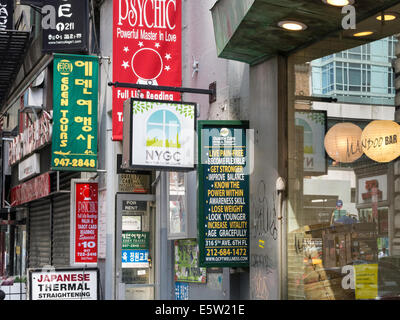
159	135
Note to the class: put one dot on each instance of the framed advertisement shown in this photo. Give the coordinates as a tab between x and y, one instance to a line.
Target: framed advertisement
84	222
224	164
187	267
161	135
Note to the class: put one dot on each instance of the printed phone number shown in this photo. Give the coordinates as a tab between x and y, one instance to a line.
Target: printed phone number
226	252
75	163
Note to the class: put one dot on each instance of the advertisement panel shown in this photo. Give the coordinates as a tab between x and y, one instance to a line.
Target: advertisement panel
147	49
65	26
84	222
162	134
187	262
75	103
63	284
223	201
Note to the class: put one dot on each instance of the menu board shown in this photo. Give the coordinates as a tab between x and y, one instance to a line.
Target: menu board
223	194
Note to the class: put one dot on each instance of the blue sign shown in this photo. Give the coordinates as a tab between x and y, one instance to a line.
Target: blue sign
135	258
181	291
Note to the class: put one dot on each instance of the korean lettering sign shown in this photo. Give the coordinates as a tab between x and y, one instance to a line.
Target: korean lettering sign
223	173
147	49
65	25
75	100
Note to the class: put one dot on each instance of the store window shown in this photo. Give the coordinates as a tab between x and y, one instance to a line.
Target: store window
344	220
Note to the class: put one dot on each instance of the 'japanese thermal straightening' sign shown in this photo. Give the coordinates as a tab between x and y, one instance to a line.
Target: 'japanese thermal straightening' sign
75	99
223	172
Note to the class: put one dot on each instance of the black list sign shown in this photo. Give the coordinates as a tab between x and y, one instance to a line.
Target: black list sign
65	25
223	194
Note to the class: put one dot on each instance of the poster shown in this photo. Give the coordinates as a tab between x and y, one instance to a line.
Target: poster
84	224
366	281
147	49
223	194
65	26
372	189
187	262
75	98
314	125
162	134
63	284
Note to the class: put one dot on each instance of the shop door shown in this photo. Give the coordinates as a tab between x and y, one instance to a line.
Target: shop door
135	246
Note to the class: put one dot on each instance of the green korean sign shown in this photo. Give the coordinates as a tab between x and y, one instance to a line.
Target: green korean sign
132	240
75	102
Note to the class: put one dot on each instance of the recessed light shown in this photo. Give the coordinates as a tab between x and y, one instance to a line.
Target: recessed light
292	25
363	34
387	17
338	3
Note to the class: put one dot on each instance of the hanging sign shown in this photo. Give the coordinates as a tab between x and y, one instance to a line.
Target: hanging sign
84	222
223	175
75	99
162	134
147	45
65	25
63	284
6	14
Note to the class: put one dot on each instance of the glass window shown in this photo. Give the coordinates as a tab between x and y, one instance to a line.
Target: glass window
342	221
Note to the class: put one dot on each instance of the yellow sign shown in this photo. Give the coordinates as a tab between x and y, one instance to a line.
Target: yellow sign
366	281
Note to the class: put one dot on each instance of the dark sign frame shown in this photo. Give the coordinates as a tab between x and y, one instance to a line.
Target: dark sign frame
79	18
202	192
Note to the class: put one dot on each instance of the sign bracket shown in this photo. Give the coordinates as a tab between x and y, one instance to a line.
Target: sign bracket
212	91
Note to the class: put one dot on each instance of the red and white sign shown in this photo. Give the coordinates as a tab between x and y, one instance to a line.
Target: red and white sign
147	49
84	224
33	189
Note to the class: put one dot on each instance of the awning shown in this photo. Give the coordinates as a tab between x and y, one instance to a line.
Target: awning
13	48
248	31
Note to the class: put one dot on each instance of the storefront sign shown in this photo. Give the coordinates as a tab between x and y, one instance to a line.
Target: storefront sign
29	167
63	284
6	14
223	193
135	258
314	127
65	25
84	222
34	137
135	183
187	262
132	240
146	50
162	134
30	190
75	97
